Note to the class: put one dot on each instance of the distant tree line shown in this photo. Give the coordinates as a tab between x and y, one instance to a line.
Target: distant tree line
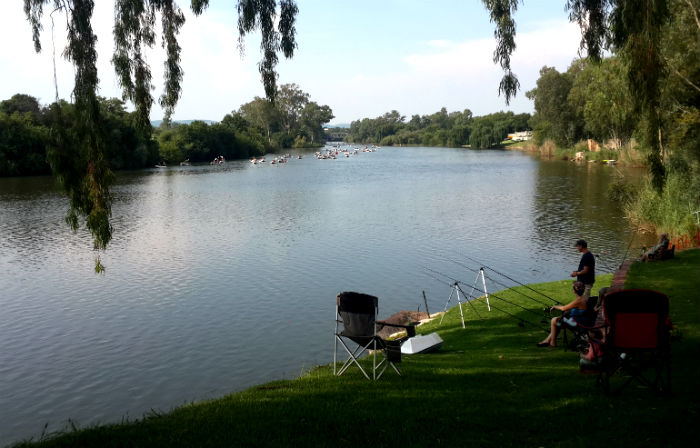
30	134
453	129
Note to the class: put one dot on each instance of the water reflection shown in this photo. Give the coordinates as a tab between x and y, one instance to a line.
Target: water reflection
571	203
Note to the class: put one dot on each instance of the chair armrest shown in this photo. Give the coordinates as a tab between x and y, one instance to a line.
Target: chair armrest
387	324
410	328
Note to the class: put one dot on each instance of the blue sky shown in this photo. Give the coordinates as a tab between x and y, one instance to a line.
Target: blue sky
362	58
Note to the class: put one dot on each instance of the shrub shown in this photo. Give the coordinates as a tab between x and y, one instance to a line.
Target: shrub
621	192
548	148
670	211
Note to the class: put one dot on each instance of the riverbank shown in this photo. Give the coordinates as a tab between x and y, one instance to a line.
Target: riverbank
488	386
581	152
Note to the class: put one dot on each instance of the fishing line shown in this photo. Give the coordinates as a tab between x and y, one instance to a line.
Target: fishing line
520	320
513	280
510	303
484	292
491	295
500	283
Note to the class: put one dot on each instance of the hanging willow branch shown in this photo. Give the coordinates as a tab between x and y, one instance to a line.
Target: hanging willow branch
261	14
637	30
502	15
77	155
592	18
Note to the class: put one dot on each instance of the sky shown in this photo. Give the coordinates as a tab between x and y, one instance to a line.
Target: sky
361	58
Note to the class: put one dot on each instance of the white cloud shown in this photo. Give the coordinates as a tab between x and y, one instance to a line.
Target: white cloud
555	43
455	75
454	59
437	72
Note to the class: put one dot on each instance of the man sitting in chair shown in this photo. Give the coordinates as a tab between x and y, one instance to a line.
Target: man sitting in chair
657	252
575	309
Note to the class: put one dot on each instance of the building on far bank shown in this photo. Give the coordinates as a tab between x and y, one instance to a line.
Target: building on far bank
521	136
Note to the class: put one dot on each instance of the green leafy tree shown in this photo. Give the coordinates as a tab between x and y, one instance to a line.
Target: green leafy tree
127	146
246	134
170	146
681	89
313	117
490	130
554	117
22	145
600	92
262	113
22	103
290	101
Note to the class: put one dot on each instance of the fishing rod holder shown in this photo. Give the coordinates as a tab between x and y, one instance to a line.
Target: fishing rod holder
483	282
461	296
455	289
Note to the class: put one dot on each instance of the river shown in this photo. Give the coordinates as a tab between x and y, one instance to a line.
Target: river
222	277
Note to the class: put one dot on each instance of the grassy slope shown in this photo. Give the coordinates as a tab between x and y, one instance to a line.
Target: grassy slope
488	386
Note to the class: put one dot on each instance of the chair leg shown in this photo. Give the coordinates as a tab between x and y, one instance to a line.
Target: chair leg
374	360
350	361
335	351
353	358
653	374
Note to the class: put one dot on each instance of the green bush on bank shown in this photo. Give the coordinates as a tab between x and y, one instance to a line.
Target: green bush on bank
670	211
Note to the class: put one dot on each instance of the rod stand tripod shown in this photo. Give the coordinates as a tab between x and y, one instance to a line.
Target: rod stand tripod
458	290
483	282
461	296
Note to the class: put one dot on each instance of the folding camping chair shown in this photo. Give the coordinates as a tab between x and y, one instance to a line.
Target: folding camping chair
637	345
356	318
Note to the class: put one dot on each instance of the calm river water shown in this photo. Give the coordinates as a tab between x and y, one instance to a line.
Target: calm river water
222	277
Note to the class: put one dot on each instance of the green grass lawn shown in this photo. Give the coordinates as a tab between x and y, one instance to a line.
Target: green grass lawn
489	385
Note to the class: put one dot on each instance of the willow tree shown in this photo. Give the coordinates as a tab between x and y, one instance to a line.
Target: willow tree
632	28
77	156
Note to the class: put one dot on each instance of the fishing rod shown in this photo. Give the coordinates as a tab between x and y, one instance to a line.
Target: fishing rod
517	291
499	283
629	246
513	280
521	321
509	302
492	295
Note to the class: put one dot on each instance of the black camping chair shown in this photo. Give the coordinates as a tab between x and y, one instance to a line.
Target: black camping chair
356	323
637	346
